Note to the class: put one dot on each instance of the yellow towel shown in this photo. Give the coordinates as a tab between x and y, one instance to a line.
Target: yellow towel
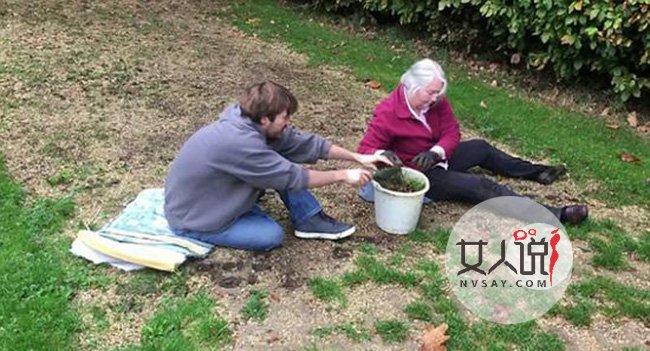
186	244
152	257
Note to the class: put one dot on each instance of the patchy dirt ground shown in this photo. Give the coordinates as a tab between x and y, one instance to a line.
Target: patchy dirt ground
98	97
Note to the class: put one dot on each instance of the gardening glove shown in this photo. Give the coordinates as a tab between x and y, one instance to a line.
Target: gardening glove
392	157
426	159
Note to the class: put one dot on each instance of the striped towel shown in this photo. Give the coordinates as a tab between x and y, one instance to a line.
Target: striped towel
140	235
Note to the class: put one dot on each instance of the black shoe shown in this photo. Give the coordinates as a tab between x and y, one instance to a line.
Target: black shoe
322	226
551	174
574	214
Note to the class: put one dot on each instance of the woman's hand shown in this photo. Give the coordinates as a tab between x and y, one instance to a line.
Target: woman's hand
426	160
392	157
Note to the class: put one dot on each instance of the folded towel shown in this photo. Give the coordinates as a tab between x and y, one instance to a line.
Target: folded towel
140	235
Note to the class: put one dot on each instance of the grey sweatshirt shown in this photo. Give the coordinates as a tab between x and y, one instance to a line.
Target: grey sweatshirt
221	169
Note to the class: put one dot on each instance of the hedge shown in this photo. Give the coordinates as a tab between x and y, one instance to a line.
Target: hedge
584	37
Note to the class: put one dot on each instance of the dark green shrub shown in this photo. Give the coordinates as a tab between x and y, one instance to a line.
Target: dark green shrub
608	38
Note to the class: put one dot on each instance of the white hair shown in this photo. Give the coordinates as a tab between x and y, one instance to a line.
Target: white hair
421	74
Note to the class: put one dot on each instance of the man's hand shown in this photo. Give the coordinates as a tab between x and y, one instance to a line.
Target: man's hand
370	161
358	177
426	159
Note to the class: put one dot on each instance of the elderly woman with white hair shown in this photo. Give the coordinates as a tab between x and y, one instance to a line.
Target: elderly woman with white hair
416	126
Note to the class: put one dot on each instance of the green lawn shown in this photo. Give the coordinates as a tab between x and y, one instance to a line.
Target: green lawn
581	142
39	279
35	285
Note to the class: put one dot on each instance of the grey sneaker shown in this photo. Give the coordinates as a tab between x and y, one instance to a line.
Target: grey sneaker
322	226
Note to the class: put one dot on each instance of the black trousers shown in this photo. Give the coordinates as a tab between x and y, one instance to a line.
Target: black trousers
455	184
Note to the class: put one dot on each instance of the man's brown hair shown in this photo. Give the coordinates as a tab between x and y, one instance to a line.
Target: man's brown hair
267	99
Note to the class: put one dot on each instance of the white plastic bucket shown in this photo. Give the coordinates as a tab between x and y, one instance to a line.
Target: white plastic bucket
397	212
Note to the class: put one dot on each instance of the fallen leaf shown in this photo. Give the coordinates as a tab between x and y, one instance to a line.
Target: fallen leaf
483	104
629	158
515	59
373	84
632	120
434	339
605	112
613	126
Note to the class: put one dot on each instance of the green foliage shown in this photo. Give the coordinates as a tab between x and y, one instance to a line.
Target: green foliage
644	247
185	324
576	37
381	273
580	313
36	285
392	330
327	290
585	36
141	283
351	331
615	300
438	237
354	278
419	310
256	307
368	249
609	242
527	336
62	177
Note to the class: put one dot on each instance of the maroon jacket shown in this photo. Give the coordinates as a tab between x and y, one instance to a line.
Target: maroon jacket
394	128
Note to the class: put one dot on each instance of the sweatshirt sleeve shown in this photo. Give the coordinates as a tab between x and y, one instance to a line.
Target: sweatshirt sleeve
264	168
377	137
450	130
301	147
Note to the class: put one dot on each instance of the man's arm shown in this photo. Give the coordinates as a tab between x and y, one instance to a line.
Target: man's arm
299	147
357	177
370	161
338	153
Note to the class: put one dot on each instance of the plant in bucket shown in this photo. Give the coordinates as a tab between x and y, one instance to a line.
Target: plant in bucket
399	192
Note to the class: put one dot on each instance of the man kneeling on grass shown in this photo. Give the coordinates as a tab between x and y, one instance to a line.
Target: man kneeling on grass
214	183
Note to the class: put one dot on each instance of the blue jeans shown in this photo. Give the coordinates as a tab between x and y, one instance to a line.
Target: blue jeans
257	231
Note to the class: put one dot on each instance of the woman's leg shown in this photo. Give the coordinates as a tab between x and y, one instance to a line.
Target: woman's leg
449	185
253	231
480	153
469	188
